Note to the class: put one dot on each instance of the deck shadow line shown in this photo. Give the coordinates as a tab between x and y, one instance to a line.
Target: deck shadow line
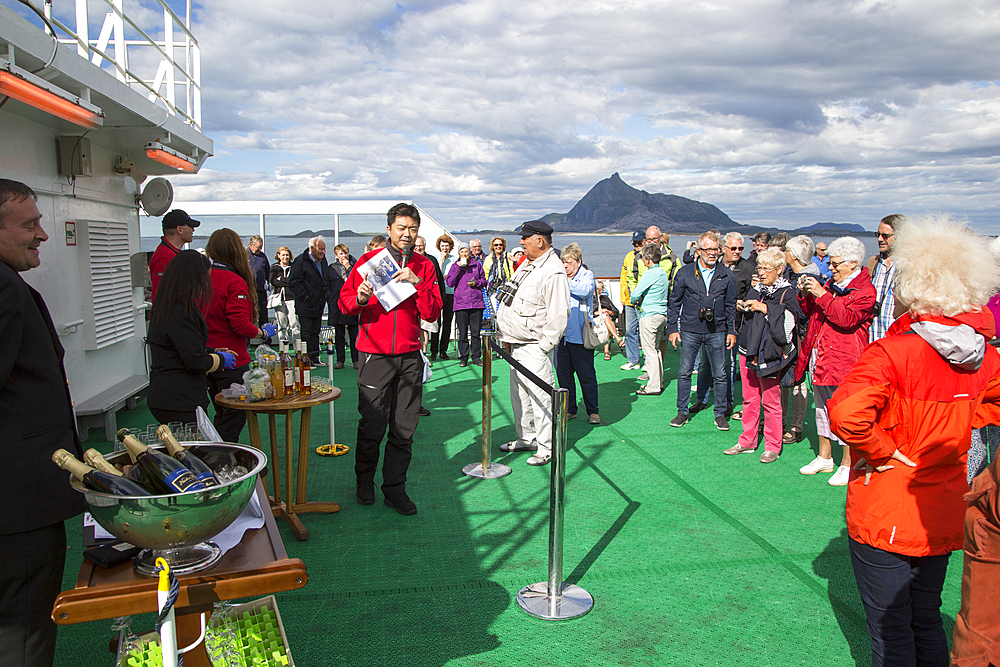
840	607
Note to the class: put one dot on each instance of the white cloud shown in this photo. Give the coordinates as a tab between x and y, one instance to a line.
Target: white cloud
783	112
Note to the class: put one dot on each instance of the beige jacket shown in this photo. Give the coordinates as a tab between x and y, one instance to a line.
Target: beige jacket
540	308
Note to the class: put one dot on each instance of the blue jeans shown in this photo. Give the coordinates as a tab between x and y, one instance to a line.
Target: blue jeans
902	600
631	334
732	376
715	346
575	358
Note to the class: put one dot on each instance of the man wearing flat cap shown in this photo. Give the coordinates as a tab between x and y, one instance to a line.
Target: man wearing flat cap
178	229
531	318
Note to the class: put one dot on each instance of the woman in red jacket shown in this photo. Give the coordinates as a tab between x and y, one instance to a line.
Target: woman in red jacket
840	314
907	409
232	320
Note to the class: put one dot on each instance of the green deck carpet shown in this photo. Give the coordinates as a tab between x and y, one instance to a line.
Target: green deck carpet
692	557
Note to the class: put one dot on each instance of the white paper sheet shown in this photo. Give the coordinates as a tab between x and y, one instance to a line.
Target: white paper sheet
379	270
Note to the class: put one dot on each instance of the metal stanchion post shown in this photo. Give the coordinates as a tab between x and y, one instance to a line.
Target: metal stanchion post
329	360
485	469
553	600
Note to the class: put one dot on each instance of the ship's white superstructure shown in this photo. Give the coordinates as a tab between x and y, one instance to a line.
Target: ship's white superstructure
87	172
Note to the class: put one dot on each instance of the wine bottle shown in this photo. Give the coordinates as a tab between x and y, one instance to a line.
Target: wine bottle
95	459
165	473
97	480
306	372
187	459
288	371
298	367
276	375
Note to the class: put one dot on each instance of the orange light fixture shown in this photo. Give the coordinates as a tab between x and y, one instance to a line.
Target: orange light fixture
23	90
160	153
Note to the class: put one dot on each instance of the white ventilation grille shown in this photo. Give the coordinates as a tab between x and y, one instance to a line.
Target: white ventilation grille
106	283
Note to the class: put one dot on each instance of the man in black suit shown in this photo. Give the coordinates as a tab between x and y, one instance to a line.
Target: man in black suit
36	419
310	283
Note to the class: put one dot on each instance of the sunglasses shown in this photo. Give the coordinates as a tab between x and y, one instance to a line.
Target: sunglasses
885	236
736	247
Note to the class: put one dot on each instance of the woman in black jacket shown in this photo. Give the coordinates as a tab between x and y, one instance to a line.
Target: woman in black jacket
282	300
345	326
178	341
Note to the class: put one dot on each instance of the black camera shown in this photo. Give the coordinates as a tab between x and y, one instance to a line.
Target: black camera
506	292
706	314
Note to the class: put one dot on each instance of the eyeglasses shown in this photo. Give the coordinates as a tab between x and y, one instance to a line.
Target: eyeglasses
736	247
834	265
885	236
711	251
766	268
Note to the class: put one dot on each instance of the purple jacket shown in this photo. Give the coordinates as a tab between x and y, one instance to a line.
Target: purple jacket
467	298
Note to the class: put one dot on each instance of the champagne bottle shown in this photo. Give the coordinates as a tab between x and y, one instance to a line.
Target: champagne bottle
187	459
165	473
134	474
306	372
97	480
288	371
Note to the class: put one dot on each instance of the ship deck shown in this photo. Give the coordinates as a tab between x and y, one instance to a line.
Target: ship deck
692	557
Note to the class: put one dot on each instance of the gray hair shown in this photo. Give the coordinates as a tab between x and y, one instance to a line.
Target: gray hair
572	251
315	240
733	236
934	279
709	235
801	248
652	253
772	257
848	249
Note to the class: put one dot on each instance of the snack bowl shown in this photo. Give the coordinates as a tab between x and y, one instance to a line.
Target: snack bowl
178	526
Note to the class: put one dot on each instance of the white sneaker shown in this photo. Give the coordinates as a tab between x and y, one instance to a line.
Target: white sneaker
841	477
817	465
629	366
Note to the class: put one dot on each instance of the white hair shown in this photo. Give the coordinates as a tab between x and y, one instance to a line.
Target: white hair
316	239
801	248
773	258
848	249
733	236
933	278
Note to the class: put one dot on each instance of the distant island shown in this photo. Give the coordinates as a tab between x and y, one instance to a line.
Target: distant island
614	207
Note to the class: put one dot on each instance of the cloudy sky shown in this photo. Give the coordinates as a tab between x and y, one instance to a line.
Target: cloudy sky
490	112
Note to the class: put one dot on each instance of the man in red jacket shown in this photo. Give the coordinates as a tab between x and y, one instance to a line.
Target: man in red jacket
391	370
178	229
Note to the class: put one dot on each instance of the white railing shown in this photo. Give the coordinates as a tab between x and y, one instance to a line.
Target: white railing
111	51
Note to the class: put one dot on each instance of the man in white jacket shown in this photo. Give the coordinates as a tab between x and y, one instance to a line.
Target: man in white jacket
531	318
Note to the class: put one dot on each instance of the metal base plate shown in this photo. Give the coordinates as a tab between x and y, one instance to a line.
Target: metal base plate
495	471
195	558
573	602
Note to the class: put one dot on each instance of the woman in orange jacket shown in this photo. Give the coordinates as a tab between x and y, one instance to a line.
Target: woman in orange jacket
906	409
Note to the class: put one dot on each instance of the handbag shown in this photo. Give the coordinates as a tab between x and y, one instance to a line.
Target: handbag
595	331
274	299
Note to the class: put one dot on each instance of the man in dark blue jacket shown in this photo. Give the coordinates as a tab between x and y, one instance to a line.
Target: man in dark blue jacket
309	281
702	311
261	269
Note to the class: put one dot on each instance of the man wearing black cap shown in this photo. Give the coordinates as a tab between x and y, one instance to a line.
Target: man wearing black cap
178	229
531	318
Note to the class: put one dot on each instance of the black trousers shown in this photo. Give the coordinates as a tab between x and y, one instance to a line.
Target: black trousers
309	328
345	333
439	340
167	416
389	393
30	581
228	421
262	318
464	321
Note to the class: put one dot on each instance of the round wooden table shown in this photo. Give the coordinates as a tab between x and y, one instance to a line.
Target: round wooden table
288	406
